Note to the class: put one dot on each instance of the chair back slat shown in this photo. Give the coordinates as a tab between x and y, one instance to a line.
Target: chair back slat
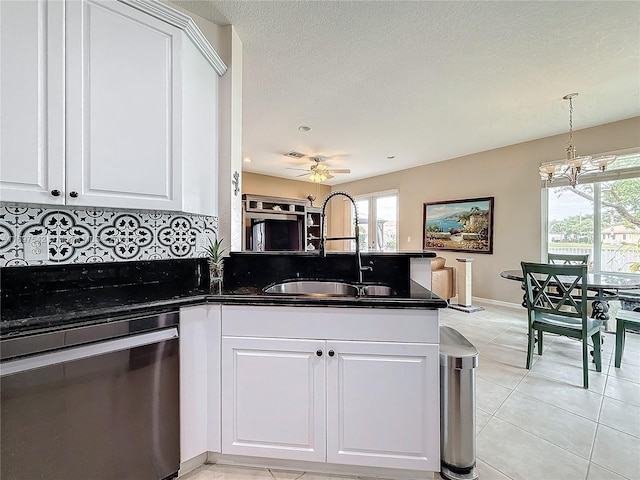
556	289
567	259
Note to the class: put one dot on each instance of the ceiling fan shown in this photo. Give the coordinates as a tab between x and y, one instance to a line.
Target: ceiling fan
319	172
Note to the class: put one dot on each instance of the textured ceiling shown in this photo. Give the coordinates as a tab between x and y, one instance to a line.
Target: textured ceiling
424	81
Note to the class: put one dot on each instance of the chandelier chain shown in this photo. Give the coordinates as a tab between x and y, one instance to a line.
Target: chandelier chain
570	121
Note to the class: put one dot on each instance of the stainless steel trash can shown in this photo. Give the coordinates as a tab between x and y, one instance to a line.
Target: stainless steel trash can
458	360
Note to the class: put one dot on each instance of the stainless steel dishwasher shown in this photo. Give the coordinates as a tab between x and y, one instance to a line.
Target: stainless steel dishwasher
93	402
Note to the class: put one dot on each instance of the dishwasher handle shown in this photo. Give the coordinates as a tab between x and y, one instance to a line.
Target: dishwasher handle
20	365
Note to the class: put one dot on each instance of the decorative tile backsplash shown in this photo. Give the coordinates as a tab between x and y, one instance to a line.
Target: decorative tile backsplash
29	234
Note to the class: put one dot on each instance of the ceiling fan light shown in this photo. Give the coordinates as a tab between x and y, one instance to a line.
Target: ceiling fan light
316	177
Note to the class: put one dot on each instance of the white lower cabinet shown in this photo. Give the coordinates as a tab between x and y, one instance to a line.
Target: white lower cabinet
339	401
382	408
273	398
199	381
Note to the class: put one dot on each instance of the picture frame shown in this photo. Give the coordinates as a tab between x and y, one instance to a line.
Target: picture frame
459	225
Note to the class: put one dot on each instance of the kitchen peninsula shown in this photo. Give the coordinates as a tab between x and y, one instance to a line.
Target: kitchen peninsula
342	384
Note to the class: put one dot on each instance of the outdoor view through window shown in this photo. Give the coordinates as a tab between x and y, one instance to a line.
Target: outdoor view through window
377	222
601	218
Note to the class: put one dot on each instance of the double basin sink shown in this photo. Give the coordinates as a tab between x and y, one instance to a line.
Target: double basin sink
319	288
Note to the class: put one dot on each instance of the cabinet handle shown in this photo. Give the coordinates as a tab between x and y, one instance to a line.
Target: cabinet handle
319	353
331	353
73	194
55	193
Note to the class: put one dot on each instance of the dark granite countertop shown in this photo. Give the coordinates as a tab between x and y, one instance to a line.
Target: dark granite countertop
27	314
38	299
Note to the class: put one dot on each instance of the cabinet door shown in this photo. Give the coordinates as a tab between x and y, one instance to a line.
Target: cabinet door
383	405
123	108
32	99
273	398
200	429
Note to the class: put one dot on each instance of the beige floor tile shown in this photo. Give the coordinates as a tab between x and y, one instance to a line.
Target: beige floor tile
482	418
631	354
490	396
571	373
568	351
507	354
572	398
512	337
522	455
623	390
200	473
500	373
596	472
620	416
627	371
285	474
477	336
617	451
487	472
232	472
318	476
566	430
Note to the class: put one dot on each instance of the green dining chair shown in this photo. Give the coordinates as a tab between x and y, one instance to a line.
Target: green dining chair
624	319
561	309
567	259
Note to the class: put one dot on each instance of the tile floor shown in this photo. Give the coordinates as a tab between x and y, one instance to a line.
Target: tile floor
532	424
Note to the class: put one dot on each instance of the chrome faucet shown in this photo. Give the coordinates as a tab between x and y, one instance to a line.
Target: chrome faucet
324	238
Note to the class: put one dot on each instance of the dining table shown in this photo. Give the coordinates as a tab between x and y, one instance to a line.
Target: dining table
604	287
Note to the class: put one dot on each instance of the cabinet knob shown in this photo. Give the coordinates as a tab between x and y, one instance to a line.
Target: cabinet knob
331	353
73	194
319	353
55	193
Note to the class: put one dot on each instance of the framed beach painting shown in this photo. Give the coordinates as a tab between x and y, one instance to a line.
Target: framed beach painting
459	225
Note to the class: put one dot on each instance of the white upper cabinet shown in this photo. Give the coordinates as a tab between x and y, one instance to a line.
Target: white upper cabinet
124	108
137	93
32	101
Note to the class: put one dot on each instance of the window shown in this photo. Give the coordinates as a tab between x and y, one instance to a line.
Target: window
600	216
377	222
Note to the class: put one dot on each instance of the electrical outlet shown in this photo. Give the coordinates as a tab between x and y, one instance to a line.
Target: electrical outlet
202	241
36	247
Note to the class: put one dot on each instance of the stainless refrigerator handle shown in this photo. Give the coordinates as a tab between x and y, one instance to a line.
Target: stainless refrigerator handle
20	365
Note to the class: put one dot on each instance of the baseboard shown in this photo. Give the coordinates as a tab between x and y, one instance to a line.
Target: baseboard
318	467
500	303
193	463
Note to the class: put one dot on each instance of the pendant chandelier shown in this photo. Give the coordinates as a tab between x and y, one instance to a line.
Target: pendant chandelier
573	166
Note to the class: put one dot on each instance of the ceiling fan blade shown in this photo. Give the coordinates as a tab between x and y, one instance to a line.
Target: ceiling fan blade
303	175
328	174
299	169
340	170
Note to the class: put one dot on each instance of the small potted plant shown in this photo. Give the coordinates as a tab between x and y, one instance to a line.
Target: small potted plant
215	259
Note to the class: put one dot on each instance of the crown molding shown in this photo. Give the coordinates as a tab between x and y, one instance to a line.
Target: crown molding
170	15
